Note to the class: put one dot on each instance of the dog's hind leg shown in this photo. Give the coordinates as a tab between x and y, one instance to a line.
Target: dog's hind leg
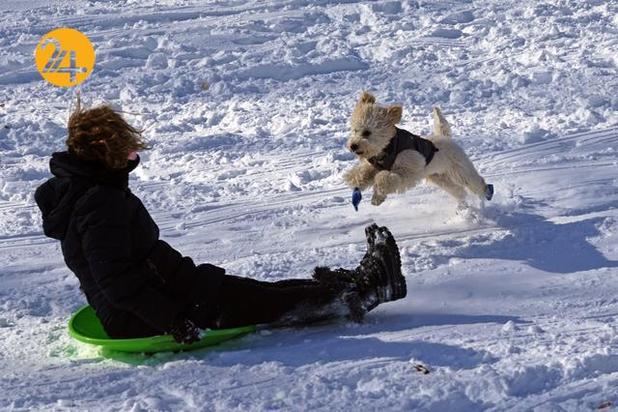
449	186
468	176
456	165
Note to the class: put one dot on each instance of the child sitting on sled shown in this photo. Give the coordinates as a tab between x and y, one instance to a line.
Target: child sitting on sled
141	286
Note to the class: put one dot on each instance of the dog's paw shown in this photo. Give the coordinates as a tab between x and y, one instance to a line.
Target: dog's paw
352	178
347	178
377	199
489	191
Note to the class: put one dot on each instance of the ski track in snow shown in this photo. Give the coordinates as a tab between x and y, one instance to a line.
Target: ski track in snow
512	305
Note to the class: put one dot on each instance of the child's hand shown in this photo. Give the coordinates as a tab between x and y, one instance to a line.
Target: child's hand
185	331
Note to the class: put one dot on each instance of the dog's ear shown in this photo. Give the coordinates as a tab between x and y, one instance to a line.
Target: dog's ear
367	97
394	113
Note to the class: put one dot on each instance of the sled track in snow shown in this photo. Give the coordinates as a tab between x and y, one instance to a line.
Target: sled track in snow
589	139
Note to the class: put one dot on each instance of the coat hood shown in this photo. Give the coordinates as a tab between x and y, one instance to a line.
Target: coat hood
72	179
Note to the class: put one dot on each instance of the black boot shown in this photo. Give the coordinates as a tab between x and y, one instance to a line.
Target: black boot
376	280
340	276
387	252
379	274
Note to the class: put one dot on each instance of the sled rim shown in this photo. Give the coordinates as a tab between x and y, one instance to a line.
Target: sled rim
84	326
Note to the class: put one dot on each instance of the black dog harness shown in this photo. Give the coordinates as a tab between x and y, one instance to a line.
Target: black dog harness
403	140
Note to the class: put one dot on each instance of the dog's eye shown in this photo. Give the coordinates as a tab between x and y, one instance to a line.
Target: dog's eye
366	133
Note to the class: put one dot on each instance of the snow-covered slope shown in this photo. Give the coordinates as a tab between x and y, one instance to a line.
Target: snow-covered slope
510	306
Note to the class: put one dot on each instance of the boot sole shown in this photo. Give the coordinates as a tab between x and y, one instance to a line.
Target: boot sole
396	281
370	234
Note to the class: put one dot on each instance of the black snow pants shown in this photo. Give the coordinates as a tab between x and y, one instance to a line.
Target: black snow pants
245	301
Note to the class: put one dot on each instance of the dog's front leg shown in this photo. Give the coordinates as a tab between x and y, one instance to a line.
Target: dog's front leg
360	176
407	171
385	182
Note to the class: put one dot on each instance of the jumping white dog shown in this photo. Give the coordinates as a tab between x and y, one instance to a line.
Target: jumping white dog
395	160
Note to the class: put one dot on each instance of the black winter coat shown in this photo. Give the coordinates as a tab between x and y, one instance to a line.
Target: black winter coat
403	140
112	244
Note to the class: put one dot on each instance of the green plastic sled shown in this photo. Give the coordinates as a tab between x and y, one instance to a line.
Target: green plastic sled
85	326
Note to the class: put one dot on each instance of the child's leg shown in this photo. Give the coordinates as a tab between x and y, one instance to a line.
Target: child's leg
245	301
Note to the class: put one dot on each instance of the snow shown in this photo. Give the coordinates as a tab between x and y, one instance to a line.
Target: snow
511	306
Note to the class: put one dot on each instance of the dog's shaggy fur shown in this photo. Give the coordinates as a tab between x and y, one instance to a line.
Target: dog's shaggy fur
373	127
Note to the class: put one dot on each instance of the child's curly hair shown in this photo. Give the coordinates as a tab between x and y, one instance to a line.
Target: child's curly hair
101	134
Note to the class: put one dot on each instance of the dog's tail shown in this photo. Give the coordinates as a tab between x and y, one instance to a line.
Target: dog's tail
441	128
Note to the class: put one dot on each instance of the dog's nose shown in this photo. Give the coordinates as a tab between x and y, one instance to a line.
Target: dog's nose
354	147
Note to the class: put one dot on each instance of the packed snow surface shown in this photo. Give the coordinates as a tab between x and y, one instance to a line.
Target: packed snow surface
511	306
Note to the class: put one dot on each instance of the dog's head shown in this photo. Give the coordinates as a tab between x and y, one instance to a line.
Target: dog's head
373	126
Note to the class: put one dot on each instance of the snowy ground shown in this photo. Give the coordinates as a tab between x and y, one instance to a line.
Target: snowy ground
512	307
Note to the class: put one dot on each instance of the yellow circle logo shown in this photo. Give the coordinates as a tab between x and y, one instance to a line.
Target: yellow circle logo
64	57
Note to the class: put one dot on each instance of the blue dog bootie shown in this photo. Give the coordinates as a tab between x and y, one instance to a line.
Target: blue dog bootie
356	198
489	192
